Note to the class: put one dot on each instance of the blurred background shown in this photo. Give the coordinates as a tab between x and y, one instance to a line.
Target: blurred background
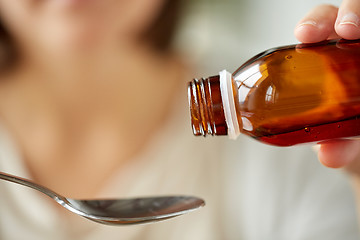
222	34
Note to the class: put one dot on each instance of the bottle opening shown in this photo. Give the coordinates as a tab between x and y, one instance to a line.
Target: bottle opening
206	108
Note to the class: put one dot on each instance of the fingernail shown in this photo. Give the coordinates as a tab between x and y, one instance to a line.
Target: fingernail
350	19
307	23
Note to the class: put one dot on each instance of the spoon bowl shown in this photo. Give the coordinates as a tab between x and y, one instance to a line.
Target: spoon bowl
118	211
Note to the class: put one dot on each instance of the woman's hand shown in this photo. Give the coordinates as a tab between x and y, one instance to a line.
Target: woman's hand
327	22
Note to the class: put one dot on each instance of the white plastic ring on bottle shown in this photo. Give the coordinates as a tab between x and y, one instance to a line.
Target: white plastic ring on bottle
227	96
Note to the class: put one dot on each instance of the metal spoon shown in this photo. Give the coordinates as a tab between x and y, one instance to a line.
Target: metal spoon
119	211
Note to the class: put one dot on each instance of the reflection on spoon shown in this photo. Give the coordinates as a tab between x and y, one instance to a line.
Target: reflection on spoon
119	211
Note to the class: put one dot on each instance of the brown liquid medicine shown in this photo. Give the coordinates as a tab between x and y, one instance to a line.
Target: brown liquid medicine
284	96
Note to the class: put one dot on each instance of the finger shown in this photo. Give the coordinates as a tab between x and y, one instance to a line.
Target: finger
317	25
339	153
348	22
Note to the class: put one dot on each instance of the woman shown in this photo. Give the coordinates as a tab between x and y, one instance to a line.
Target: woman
91	108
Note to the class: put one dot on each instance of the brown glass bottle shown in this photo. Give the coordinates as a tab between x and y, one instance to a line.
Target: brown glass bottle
284	96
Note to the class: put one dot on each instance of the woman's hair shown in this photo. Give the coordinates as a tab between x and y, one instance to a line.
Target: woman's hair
159	35
7	49
162	32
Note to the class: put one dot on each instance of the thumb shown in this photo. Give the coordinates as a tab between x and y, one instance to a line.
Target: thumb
341	153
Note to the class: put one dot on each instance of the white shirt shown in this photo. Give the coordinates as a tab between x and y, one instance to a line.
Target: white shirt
252	191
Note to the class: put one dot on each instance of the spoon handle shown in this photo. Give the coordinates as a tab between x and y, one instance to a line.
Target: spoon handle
31	184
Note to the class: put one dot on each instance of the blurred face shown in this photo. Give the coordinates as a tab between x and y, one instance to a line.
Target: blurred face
60	25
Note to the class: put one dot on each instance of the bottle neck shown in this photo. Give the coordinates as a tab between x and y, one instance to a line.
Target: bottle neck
206	107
